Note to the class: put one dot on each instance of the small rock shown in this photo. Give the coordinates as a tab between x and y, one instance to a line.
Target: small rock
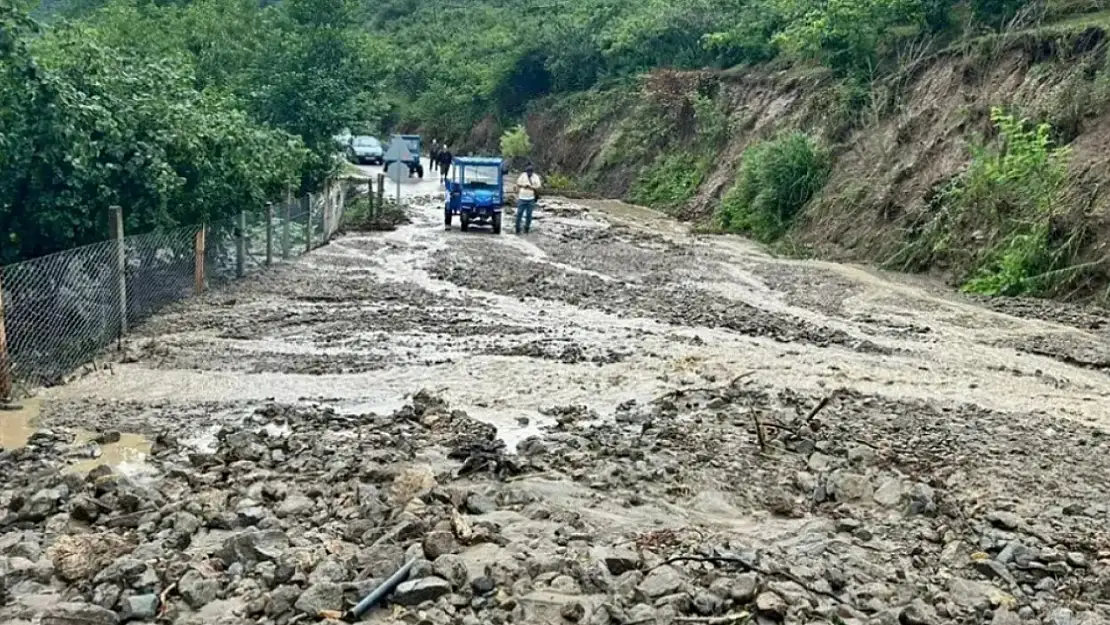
1076	559
619	561
706	603
328	571
993	569
845	486
142	607
319	597
479	504
417	591
770	604
860	454
922	500
573	611
78	614
196	590
1004	520
439	542
1059	616
251	546
295	504
453	569
917	613
661	581
482	585
1003	616
889	493
819	462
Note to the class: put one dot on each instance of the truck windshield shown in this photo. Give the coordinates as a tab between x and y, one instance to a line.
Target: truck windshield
414	145
368	142
481	175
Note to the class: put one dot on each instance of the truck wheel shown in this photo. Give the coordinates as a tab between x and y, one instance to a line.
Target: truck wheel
464	222
447	218
497	223
420	171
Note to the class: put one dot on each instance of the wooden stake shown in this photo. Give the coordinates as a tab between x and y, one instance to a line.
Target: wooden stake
198	262
116	220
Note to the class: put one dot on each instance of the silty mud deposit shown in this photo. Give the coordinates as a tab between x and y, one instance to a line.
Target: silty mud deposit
818	441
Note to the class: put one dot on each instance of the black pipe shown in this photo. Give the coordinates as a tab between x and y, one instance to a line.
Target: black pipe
379	593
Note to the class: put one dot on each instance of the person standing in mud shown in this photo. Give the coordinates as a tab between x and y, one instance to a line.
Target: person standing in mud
445	158
527	185
433	154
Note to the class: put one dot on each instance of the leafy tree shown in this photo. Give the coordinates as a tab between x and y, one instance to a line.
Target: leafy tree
516	144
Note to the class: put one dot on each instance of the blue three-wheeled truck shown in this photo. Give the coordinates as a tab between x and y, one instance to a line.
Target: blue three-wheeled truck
475	192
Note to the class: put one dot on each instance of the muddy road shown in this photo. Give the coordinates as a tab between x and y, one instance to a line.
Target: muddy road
813	442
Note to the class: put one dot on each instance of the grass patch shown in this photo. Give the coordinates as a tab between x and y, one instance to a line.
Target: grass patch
361	215
670	181
777	178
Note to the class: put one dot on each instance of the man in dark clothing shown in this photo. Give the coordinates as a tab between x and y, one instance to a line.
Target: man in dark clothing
445	158
433	154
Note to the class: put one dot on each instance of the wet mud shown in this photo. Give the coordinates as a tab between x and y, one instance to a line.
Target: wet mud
647	425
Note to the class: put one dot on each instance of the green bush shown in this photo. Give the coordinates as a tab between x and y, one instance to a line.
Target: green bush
669	181
776	180
1012	187
515	143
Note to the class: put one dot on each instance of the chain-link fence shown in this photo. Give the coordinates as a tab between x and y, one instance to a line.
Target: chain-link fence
60	310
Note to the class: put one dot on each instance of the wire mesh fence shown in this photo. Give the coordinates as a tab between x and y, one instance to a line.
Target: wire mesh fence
61	310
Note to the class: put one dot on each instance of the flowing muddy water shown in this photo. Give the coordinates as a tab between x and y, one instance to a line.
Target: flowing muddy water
663	389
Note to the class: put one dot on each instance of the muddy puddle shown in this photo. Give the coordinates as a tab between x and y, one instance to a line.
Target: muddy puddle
17	423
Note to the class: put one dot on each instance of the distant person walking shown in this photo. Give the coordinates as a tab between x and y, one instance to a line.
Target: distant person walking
527	185
433	154
445	158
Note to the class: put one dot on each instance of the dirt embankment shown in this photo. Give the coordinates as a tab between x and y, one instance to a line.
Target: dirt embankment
890	157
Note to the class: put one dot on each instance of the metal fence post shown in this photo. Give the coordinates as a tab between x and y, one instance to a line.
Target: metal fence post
269	233
241	246
5	359
198	263
116	220
287	215
308	222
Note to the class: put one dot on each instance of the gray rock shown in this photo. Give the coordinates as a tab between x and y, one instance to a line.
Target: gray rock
1060	616
922	500
439	542
993	569
44	503
845	486
417	591
78	614
281	600
328	571
480	504
106	595
196	590
1076	559
619	561
889	493
141	607
661	581
860	454
1003	616
295	504
251	546
1004	520
573	611
482	584
770	604
706	603
972	594
819	462
318	597
917	613
453	569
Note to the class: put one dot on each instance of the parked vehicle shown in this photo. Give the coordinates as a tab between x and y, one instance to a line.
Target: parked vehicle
414	145
366	150
475	192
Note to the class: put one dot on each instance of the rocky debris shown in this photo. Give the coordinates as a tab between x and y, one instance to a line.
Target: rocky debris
74	613
860	519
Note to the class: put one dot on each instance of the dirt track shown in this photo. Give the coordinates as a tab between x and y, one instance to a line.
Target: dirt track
638	363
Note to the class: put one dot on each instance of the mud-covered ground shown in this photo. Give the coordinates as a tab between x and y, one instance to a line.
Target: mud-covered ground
608	421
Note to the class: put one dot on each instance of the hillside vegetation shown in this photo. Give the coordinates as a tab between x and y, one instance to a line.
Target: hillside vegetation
919	134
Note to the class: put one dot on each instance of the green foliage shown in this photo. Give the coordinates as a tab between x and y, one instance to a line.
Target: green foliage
670	180
845	35
777	178
516	143
1008	196
179	112
361	215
